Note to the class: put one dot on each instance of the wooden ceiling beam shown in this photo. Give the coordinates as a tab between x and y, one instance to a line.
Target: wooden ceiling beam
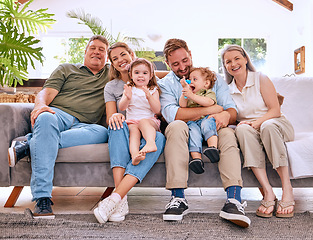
285	3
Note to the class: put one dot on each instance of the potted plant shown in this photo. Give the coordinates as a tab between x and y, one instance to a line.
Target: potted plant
18	47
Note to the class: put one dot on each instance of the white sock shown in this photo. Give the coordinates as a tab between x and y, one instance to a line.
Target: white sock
116	197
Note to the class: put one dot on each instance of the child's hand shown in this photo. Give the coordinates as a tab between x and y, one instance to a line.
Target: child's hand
127	91
147	92
183	82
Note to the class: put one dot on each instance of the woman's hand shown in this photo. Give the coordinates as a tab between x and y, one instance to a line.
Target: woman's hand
116	121
255	124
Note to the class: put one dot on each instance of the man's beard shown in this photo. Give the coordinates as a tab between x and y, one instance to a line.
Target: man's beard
180	75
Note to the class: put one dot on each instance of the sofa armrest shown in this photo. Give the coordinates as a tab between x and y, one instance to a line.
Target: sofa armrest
15	122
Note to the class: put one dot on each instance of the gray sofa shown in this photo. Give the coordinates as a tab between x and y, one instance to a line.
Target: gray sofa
89	165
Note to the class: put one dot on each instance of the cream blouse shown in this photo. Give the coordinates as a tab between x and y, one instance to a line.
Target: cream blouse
250	103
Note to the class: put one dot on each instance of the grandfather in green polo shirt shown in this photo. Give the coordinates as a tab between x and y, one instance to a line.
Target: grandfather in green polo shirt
66	113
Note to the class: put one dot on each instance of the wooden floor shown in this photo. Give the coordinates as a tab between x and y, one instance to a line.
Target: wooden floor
77	200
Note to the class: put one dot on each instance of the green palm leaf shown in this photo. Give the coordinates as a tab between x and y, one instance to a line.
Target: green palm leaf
25	20
11	74
17	46
94	23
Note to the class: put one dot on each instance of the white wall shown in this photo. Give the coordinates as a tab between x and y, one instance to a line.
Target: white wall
200	23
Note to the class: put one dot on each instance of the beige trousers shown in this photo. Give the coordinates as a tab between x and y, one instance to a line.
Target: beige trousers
177	156
270	141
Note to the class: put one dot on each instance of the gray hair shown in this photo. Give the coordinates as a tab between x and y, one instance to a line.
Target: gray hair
228	48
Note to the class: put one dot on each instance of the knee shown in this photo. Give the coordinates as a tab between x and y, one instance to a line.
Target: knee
268	127
177	130
45	118
101	131
242	130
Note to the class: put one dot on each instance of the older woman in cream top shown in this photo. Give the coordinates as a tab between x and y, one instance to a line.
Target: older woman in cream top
262	129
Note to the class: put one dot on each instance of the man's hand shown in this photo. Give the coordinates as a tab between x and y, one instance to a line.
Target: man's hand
39	108
221	119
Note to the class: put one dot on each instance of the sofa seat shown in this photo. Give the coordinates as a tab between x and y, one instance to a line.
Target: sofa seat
297	108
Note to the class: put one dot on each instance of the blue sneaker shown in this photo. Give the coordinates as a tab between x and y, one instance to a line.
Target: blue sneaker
43	208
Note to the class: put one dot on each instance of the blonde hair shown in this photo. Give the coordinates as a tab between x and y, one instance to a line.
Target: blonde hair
113	73
228	48
152	82
207	73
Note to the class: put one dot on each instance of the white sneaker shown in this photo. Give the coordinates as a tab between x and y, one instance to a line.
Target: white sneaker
105	209
120	212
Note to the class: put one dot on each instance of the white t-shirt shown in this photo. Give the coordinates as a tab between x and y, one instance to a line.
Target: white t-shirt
139	107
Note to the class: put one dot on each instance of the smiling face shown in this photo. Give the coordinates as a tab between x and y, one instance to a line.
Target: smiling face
198	81
121	58
235	63
95	55
140	75
180	62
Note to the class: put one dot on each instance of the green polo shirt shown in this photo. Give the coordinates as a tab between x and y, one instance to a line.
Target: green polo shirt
81	93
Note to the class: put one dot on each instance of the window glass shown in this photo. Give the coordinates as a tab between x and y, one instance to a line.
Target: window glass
255	47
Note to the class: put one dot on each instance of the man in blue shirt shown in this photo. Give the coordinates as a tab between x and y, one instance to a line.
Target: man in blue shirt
179	59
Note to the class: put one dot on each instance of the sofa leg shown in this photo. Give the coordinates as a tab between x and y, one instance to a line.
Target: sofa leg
107	192
13	196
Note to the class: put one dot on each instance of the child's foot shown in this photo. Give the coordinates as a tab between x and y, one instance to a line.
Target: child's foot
139	157
196	165
212	153
149	147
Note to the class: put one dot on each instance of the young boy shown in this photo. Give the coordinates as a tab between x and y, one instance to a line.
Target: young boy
199	93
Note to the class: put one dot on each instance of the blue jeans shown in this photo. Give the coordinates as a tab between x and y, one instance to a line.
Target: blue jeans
205	127
120	155
50	133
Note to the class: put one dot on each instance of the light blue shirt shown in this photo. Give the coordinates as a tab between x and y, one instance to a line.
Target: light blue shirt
172	90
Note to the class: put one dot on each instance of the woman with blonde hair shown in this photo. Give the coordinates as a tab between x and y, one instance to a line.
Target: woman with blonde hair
125	174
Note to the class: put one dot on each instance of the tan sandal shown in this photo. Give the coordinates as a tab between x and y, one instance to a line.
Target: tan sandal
267	204
284	205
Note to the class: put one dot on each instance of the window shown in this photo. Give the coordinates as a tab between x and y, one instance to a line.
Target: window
255	47
59	50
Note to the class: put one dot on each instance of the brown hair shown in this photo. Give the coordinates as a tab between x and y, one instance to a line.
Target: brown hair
152	82
113	73
172	45
98	37
207	73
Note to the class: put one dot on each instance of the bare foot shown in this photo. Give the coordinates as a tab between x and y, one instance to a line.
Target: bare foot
287	197
149	147
139	157
268	196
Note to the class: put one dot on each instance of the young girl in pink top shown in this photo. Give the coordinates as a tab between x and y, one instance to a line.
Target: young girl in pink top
141	101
